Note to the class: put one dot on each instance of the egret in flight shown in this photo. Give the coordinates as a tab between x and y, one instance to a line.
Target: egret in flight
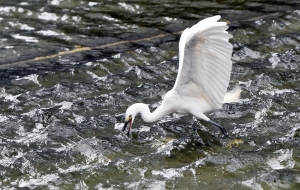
202	79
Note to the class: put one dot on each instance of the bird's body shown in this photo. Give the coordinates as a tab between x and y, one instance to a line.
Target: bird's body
203	75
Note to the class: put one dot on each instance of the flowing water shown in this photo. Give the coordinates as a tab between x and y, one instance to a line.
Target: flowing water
69	70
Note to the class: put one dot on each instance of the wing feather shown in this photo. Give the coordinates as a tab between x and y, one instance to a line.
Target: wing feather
214	56
217	35
205	60
220	77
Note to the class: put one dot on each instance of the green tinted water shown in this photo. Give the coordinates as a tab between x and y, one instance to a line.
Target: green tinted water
61	116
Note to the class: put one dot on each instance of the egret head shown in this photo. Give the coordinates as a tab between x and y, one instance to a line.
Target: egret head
129	117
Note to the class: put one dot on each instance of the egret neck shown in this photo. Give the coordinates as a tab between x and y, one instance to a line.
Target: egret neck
146	115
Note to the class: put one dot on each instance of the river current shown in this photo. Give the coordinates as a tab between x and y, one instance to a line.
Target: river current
69	70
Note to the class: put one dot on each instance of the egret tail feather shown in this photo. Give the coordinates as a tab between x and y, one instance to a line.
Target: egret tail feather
233	96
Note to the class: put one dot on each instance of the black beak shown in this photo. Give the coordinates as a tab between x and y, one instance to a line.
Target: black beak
125	125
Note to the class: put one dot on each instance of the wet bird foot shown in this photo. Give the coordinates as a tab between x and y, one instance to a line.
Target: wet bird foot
223	130
194	134
220	127
194	127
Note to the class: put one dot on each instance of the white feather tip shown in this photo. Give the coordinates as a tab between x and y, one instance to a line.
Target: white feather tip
233	96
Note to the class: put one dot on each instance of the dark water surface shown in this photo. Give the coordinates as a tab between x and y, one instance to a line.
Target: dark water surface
61	113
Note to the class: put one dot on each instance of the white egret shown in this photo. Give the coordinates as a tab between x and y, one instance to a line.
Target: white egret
203	76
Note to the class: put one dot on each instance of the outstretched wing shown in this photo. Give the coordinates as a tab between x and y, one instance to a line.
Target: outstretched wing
205	61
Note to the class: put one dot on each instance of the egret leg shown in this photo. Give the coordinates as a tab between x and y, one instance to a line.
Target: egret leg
194	127
193	122
220	127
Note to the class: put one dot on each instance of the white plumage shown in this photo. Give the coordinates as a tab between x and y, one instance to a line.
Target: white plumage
203	75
